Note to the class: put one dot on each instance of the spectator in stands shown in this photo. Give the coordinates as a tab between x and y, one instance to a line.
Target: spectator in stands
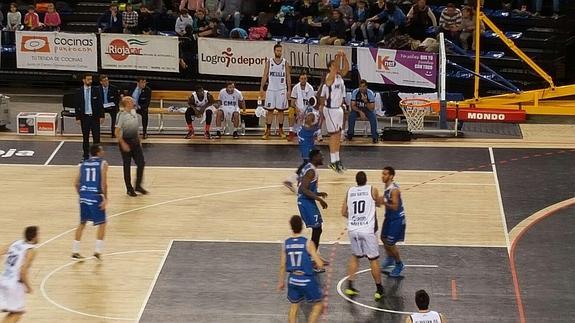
230	12
1	18
539	5
31	20
142	96
110	100
419	18
13	18
376	8
385	22
337	30
52	19
129	20
192	5
183	20
359	20
305	14
362	106
238	33
424	314
110	21
450	22
202	26
146	23
468	28
89	112
346	11
211	7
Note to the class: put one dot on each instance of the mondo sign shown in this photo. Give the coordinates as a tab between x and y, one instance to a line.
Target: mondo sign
233	57
56	51
139	52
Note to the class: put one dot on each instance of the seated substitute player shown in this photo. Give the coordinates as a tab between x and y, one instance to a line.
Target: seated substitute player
296	258
92	186
15	279
200	103
425	315
301	96
359	209
393	230
231	100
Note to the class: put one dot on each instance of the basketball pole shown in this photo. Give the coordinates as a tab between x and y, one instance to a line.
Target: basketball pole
442	82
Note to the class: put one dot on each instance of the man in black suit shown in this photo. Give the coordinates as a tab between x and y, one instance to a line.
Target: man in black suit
89	113
110	99
142	96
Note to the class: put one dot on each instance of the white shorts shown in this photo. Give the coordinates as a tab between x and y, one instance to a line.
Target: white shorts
211	108
333	119
12	298
276	100
364	244
229	112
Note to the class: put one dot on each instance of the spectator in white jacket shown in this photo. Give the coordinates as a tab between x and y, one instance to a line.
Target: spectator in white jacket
183	20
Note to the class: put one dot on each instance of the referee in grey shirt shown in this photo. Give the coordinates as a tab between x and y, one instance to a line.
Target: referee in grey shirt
127	133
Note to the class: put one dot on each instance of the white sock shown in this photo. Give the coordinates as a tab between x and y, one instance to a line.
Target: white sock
76	246
291	129
99	246
333	157
336	156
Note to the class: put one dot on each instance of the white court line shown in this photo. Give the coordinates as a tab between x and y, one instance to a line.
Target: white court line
54	153
500	201
153	285
343	243
62	307
342	294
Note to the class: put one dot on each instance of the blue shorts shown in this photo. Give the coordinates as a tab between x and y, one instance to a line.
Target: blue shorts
393	231
303	287
90	209
309	213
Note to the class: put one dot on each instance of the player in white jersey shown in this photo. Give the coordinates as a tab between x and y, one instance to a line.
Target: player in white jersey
230	101
200	104
302	97
332	98
424	315
15	280
277	75
359	209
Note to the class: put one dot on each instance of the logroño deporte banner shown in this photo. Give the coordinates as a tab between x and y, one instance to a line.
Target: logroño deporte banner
139	52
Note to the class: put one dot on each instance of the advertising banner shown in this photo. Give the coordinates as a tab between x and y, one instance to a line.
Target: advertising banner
313	58
139	52
56	51
233	57
397	67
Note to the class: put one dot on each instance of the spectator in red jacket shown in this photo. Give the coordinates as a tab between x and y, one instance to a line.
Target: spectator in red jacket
31	19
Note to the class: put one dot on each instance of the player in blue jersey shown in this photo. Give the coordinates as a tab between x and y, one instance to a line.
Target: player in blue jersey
306	136
92	186
296	259
308	195
393	229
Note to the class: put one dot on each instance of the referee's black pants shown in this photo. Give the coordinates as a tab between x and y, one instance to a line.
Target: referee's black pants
137	154
144	113
89	124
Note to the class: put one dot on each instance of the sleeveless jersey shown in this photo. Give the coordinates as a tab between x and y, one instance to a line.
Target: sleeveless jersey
312	184
302	96
297	257
335	93
427	317
14	260
91	176
360	209
391	214
203	103
277	75
306	137
231	100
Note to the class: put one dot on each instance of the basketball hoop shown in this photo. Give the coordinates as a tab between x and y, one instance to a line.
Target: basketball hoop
414	110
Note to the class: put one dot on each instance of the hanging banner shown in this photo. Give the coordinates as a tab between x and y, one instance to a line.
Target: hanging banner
397	67
56	51
312	58
233	57
139	52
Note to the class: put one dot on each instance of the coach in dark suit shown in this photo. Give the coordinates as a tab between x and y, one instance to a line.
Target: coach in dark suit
142	96
110	99
89	113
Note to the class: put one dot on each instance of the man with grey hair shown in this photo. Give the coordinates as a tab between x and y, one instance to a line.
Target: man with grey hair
130	146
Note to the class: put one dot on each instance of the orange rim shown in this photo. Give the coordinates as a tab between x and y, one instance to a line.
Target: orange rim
416	103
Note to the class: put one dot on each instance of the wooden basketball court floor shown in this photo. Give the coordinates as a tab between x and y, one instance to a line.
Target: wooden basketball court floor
468	204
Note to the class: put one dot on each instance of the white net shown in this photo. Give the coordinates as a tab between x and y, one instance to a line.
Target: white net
414	112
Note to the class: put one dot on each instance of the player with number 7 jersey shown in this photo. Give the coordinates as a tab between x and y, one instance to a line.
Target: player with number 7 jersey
92	186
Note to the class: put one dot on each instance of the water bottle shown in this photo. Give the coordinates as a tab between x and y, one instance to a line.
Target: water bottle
243	128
